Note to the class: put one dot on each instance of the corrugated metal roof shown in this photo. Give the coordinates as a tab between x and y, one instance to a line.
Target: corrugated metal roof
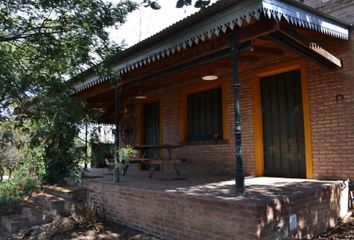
215	19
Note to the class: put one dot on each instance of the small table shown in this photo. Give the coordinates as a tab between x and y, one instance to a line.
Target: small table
145	149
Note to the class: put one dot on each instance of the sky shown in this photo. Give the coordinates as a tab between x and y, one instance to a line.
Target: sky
145	21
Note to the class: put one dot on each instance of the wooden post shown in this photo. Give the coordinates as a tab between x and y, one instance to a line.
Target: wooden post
116	116
240	178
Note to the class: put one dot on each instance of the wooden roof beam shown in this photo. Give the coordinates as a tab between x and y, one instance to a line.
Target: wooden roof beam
293	40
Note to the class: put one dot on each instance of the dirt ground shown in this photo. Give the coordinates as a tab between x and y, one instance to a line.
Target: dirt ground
74	229
344	230
70	229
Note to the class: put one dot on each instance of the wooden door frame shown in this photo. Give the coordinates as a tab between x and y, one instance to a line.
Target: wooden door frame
298	64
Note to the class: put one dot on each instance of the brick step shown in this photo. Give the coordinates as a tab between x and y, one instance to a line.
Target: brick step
31	214
13	223
50	202
36	214
67	192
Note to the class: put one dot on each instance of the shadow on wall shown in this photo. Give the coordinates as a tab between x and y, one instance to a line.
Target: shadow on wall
301	214
300	209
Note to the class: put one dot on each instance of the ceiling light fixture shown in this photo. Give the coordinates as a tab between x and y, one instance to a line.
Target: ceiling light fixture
210	77
140	96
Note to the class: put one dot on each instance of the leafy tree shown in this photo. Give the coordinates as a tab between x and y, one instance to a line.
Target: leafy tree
43	43
10	148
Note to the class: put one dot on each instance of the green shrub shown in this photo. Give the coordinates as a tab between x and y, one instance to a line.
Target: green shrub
15	190
26	178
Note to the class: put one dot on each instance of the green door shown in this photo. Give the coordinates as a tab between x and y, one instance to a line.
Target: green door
152	126
283	125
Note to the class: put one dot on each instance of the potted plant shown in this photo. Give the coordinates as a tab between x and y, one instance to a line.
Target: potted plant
121	160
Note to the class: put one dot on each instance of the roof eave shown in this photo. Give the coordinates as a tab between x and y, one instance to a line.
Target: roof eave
216	19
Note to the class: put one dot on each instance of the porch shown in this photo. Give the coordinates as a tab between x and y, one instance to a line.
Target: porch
270	86
272	110
204	206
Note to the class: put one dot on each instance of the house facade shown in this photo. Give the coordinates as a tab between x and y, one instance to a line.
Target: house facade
294	65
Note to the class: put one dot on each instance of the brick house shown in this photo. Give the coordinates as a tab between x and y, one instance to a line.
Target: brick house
293	63
165	77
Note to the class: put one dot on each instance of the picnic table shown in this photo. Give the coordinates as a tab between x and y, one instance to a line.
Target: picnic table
148	158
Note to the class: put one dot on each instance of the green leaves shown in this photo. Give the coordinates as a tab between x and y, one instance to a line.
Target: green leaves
45	41
42	44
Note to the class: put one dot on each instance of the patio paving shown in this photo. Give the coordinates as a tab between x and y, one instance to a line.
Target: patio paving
215	186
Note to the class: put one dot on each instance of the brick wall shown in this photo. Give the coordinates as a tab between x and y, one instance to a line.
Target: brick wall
214	158
316	210
180	216
332	122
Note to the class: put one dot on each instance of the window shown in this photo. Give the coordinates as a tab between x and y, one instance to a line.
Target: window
204	116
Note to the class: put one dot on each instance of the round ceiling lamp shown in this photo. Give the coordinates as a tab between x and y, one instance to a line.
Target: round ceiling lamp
140	96
210	77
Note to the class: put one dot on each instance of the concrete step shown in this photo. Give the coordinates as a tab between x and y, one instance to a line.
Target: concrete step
50	202
68	192
36	214
13	223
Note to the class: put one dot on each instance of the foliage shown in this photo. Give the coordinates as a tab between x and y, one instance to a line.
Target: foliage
87	216
42	41
28	172
10	148
100	152
42	44
125	155
75	174
56	128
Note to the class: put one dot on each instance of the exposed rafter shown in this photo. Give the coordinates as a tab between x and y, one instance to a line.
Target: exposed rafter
298	43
